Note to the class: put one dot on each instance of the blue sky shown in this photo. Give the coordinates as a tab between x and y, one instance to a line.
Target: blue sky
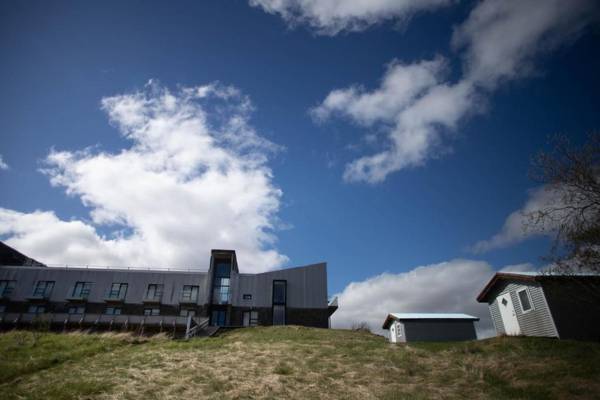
60	59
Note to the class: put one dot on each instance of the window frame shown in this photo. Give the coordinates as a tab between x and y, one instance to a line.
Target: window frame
37	308
193	297
528	294
252	318
158	290
150	312
85	291
111	290
278	303
77	309
9	287
114	309
47	289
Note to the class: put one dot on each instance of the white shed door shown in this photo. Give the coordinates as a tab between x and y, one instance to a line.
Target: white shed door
508	314
393	332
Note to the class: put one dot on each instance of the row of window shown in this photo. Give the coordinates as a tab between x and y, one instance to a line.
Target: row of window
79	309
117	291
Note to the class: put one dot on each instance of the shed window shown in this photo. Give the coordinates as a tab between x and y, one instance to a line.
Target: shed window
525	300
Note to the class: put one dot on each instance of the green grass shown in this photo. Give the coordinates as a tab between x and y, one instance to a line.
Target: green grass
292	362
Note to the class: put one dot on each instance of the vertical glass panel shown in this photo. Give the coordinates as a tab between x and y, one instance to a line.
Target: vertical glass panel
524	298
279	292
278	315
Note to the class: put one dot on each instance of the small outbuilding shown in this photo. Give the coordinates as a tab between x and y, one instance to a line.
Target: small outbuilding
551	305
430	327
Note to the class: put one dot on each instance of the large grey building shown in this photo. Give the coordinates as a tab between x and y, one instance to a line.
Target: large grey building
184	302
534	304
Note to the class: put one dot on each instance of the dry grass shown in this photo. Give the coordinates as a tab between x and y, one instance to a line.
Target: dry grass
295	363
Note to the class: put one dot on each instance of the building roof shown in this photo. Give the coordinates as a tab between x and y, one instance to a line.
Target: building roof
426	316
528	277
10	256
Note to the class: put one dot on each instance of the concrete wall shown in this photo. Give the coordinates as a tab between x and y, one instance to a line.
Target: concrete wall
537	322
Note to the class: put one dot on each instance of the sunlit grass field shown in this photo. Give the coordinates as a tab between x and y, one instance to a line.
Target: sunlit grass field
292	362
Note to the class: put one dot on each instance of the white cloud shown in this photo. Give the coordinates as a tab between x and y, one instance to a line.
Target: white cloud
516	228
525	267
332	16
3	165
418	106
445	287
194	178
502	37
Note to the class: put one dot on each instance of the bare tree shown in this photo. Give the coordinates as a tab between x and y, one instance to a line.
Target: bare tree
361	327
572	176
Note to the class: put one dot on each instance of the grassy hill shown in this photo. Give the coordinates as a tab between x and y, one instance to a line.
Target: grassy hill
292	362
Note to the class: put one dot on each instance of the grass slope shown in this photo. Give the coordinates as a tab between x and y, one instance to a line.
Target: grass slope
292	362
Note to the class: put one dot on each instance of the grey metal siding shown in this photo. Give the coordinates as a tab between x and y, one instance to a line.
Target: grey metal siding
137	280
537	322
306	287
439	330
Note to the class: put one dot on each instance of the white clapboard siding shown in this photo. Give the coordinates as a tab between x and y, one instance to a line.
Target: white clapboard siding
537	322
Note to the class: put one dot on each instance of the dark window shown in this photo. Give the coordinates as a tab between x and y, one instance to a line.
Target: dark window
36	309
279	289
117	291
43	289
186	313
151	311
76	310
112	311
279	302
6	288
154	292
2	308
218	318
250	318
190	293
524	299
247	296
82	290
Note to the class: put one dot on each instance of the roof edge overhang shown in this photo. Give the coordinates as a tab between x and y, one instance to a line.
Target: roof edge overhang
501	276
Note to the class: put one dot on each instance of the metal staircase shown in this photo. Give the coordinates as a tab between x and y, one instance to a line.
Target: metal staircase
199	327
